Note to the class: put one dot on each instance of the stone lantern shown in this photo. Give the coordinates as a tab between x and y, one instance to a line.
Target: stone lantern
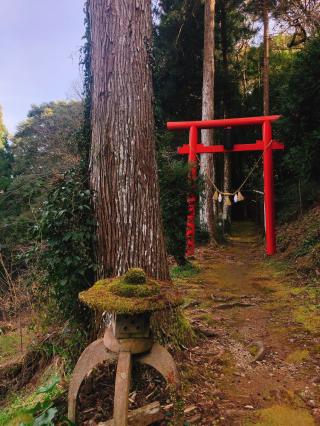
130	300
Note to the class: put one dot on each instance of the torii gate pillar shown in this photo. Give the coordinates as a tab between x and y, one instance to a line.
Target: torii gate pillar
192	198
268	189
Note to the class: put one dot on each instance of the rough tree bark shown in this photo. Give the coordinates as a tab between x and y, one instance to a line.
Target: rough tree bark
227	162
266	45
266	70
207	168
123	171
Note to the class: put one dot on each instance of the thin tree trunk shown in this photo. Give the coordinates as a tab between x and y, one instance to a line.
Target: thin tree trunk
227	164
123	169
226	158
266	44
207	168
266	53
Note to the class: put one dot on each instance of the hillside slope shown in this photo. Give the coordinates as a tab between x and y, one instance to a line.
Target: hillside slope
299	243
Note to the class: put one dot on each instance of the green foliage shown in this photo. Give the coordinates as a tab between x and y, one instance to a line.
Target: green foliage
173	196
178	51
3	130
69	342
300	128
66	230
174	190
43	148
185	271
231	26
49	386
46	142
18	205
38	410
6	162
6	158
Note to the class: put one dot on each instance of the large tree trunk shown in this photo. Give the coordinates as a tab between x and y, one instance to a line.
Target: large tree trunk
266	44
207	168
227	162
123	165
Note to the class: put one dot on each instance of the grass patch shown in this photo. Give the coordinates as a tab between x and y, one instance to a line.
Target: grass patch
9	345
185	271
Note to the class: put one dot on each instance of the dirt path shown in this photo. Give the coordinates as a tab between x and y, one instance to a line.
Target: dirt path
256	309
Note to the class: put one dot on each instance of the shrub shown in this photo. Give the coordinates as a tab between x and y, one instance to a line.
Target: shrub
66	233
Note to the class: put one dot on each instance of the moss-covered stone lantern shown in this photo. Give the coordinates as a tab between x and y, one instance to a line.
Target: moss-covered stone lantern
129	300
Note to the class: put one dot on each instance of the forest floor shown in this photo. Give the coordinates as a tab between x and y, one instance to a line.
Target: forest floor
261	366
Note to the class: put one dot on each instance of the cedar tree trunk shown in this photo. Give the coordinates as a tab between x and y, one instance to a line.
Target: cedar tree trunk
123	170
227	162
207	168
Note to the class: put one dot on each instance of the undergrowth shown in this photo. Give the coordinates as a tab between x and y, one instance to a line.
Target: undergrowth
299	243
38	408
185	271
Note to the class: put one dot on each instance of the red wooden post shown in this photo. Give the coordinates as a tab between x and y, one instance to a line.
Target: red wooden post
268	189
192	199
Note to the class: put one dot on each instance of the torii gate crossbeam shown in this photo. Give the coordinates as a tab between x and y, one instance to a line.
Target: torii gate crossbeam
267	145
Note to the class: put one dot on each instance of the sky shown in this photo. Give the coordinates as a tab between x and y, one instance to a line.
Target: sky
39	54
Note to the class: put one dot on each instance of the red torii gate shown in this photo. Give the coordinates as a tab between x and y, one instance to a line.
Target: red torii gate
267	145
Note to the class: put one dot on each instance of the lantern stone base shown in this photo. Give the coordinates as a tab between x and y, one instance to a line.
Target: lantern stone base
125	350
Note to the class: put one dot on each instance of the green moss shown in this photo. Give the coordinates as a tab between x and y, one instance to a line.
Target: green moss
172	328
297	356
129	290
282	415
117	295
309	317
135	276
253	349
